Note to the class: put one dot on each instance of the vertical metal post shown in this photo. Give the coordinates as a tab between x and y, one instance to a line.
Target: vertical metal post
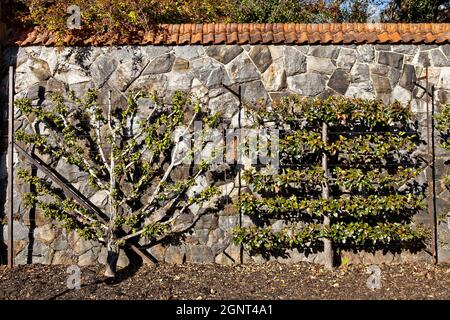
433	178
10	166
430	167
241	249
235	145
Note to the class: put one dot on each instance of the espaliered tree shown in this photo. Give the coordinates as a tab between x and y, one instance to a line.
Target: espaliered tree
443	125
345	180
129	158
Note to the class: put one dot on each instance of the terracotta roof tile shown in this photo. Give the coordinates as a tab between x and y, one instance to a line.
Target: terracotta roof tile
42	37
220	35
326	38
441	38
383	37
406	37
50	42
289	33
348	36
278	33
338	37
174	34
30	38
148	37
266	33
429	38
302	37
232	33
255	33
417	38
314	37
185	34
395	37
371	37
243	33
334	27
197	34
208	33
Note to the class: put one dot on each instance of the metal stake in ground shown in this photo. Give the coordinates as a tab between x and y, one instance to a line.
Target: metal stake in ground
430	171
235	146
433	173
10	167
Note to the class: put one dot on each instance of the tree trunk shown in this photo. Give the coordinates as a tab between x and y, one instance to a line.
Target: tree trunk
111	260
328	248
112	246
327	245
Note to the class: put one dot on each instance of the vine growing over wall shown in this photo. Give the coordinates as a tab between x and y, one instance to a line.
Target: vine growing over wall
368	177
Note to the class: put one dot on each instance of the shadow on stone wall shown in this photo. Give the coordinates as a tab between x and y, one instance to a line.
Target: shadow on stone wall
9	57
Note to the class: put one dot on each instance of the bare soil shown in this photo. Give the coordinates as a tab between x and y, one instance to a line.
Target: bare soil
270	281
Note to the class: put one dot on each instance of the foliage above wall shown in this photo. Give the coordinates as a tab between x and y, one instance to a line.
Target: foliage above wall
368	177
120	17
416	11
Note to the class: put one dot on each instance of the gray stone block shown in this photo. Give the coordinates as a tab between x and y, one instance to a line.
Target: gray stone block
175	255
161	64
391	59
261	57
294	61
339	81
242	69
224	53
346	59
20	231
226	223
209	72
102	69
310	84
200	254
321	51
365	53
254	92
408	77
438	59
381	84
320	65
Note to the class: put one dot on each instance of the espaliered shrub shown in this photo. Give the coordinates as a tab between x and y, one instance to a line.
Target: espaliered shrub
443	125
368	175
128	152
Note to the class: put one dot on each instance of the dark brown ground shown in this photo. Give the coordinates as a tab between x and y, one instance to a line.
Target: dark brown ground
270	281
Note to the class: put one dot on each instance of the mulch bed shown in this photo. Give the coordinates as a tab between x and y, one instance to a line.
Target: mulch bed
269	281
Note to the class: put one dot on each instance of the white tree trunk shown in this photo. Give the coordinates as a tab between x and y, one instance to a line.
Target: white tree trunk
112	246
327	245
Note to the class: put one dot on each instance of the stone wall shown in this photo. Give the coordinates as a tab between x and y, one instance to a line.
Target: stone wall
387	72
